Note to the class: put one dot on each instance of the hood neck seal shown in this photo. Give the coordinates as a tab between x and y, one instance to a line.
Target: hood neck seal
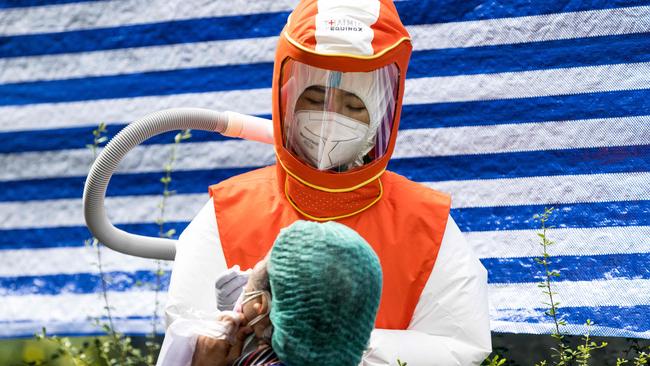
323	204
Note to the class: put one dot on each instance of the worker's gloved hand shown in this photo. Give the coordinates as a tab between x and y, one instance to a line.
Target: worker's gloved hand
229	286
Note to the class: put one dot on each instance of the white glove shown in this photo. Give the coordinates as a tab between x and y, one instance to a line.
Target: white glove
180	339
229	286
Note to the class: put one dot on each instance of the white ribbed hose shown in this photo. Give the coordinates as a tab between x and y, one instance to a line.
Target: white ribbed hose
227	123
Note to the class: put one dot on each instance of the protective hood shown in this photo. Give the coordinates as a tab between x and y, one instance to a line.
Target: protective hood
347	38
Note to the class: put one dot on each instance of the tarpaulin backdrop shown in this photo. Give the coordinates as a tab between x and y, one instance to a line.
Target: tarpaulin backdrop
510	106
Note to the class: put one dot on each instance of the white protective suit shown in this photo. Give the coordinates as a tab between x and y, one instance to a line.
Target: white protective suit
450	325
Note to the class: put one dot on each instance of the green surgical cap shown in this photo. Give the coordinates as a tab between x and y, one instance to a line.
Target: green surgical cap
326	285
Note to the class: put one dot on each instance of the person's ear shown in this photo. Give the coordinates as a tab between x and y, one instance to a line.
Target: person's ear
261	307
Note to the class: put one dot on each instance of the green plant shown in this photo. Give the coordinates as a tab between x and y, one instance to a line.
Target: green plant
641	359
583	351
98	139
116	349
494	361
564	354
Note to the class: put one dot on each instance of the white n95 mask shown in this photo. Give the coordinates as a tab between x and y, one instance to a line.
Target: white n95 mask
328	140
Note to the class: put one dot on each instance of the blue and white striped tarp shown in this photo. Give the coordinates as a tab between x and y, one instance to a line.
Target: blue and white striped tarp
510	106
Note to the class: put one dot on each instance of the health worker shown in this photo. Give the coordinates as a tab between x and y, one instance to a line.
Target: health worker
338	85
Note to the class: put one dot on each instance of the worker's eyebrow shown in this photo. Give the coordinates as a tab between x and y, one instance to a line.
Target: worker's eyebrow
316	88
321	89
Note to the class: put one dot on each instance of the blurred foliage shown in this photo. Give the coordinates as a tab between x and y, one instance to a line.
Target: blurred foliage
517	349
55	351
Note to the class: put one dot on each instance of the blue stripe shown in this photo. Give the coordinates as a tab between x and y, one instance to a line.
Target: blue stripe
436	11
260	25
79	137
194	181
571	268
581	215
426	169
101	318
197	80
143	35
500	270
632	318
73	236
75	325
8	4
577	215
459	61
537	109
556	108
525	164
81	283
575	52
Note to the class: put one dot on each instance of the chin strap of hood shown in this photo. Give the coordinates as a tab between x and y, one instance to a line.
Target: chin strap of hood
359	36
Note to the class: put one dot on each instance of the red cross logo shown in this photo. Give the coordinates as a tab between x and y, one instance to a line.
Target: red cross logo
331	23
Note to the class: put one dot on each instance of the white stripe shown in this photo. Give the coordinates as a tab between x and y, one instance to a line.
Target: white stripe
486	193
135	60
537	83
89	113
258	101
39	262
486	244
242	51
570	293
137	326
591	23
45	309
548	328
487	139
410	143
70	308
142	159
546	190
23	328
120	210
101	14
569	242
68	17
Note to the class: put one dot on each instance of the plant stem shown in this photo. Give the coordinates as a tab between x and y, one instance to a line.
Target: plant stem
166	180
545	262
98	138
105	292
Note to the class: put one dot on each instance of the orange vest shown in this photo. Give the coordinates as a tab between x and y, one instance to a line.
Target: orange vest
405	228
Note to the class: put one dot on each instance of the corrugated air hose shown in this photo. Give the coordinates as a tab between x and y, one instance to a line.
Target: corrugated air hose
227	123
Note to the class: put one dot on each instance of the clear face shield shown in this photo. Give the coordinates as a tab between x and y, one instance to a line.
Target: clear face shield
337	121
